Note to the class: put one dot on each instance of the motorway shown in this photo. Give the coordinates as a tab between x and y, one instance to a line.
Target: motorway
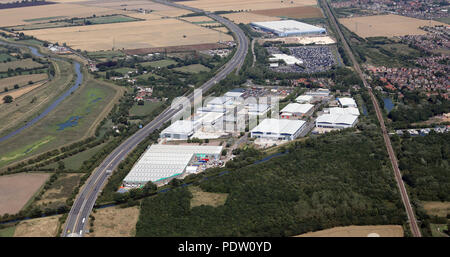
398	177
85	200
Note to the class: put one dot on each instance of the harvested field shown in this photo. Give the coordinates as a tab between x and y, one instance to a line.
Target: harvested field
24	64
22	80
358	231
200	197
17	189
248	17
294	12
115	222
386	25
45	13
131	35
236	5
41	227
174	49
441	209
21	91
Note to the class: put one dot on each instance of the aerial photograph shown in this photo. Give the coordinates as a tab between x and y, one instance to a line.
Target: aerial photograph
238	119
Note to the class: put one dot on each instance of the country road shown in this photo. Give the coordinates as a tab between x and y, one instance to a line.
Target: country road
84	202
398	177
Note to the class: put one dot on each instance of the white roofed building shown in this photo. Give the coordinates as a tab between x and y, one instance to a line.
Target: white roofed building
288	59
348	110
278	129
296	110
304	99
161	163
347	102
336	121
180	129
285	28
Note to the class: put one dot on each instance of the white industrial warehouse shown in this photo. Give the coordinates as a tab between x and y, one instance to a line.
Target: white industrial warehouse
296	110
278	129
288	59
160	163
347	102
285	28
336	121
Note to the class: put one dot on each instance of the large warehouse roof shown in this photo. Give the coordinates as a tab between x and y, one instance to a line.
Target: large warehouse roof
179	127
288	27
346	101
288	59
280	126
348	110
346	119
297	108
165	161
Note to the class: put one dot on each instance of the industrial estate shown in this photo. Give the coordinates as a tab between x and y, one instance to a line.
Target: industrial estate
206	118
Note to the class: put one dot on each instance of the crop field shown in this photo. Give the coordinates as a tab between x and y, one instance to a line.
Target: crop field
74	119
197	19
41	227
21	91
131	35
359	231
22	80
16	190
294	12
386	25
45	13
441	209
236	5
24	64
193	68
146	109
248	17
4	57
59	191
115	222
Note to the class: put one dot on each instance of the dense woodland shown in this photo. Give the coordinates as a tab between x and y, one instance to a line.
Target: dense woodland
337	179
424	165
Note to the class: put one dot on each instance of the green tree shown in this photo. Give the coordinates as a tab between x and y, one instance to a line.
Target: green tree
7	99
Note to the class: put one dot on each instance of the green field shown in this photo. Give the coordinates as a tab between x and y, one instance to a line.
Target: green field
160	63
69	122
7	232
193	68
438	233
105	54
143	110
124	70
59	191
444	20
5	57
111	19
45	18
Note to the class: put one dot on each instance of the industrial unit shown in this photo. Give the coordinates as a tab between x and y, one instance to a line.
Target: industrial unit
296	110
285	28
278	129
180	129
336	121
161	163
347	102
304	99
348	110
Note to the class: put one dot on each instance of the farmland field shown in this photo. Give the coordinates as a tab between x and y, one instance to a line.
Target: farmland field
115	221
146	109
235	5
248	17
131	35
386	25
193	68
160	63
294	12
22	80
41	227
7	232
16	190
441	209
24	64
44	13
359	231
21	91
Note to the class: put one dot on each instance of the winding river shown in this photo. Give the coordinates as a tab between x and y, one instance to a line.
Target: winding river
78	80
